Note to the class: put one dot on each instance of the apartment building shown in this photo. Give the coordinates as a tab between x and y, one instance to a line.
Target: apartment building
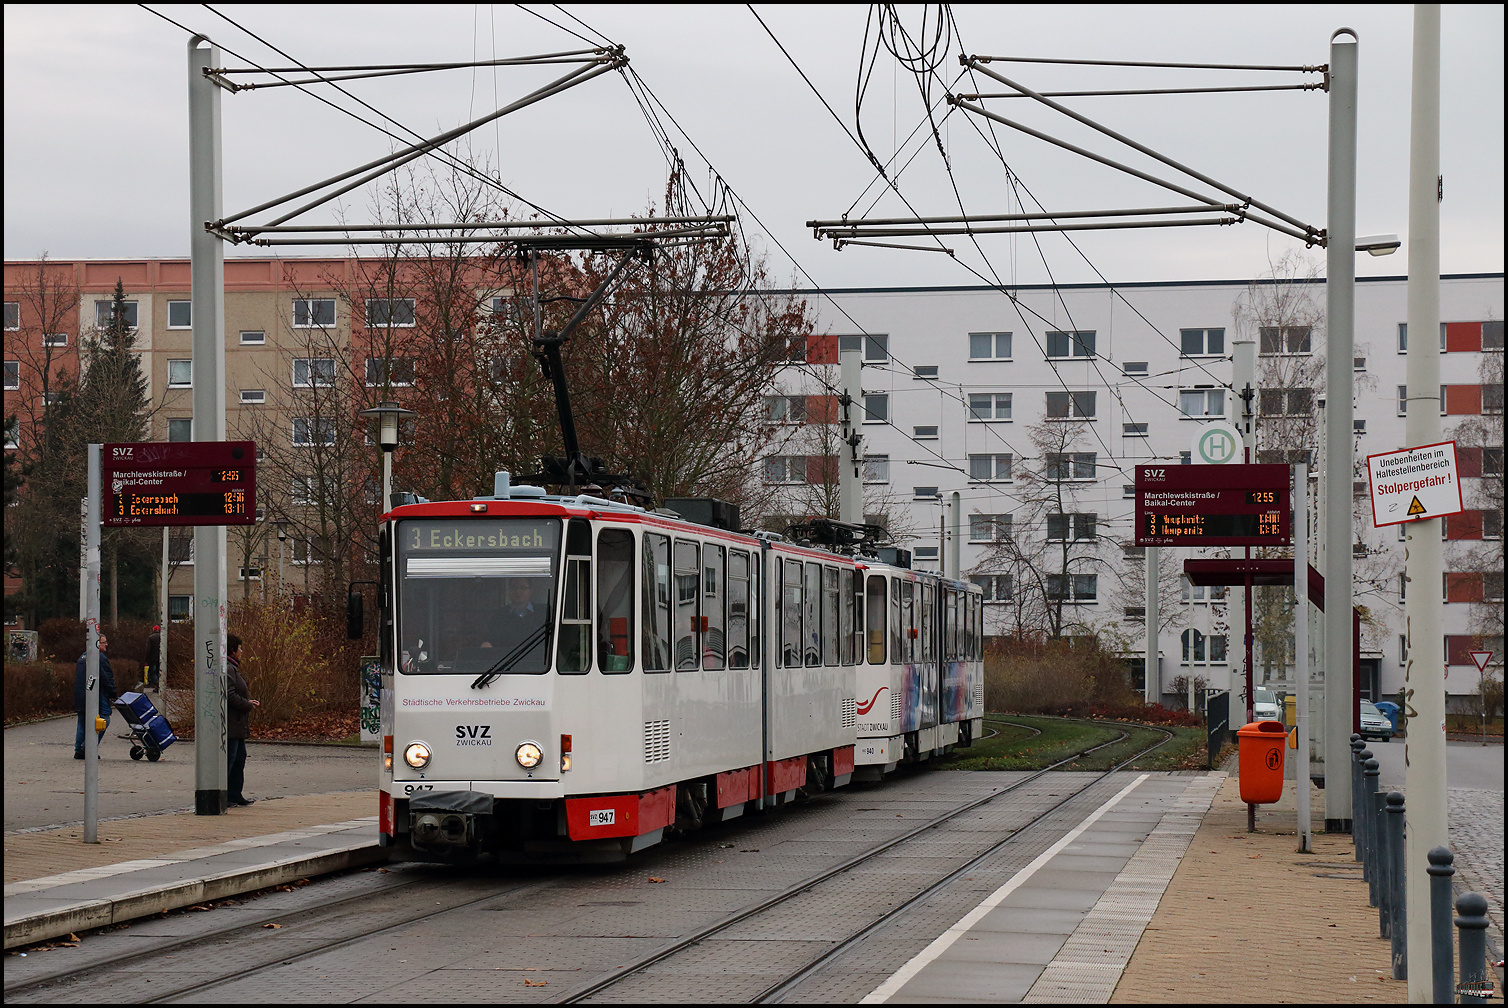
1036	404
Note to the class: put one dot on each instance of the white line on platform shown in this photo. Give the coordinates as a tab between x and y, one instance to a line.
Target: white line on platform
944	941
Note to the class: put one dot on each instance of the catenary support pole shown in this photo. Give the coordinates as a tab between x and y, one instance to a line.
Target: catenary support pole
1423	564
207	271
1340	300
851	459
1301	651
83	558
91	650
955	536
1151	673
162	616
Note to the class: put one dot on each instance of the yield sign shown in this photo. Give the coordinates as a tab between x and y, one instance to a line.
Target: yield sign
1481	658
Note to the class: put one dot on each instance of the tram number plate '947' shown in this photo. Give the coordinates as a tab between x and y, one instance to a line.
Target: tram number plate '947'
602	817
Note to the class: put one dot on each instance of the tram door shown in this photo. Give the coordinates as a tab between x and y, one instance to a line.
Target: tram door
926	655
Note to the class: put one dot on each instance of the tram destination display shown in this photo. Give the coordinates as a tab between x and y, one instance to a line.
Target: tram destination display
179	483
1213	505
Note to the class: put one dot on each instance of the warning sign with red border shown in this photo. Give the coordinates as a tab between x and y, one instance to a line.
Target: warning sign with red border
1414	484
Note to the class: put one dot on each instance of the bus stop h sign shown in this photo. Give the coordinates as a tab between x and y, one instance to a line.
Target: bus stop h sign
1414	484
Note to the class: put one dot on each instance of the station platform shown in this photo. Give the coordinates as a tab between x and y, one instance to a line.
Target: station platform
1198	911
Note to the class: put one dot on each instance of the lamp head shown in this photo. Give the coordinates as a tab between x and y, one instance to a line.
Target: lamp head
1378	245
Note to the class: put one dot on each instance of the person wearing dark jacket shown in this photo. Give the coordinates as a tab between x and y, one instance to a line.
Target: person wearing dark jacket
150	674
81	692
239	706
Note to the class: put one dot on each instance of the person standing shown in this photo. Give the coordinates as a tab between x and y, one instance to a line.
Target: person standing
151	675
81	692
239	706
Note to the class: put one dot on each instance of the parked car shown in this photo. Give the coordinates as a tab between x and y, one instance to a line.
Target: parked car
1265	706
1391	711
1375	726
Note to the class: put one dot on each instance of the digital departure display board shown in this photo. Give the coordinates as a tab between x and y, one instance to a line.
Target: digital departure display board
179	483
1213	505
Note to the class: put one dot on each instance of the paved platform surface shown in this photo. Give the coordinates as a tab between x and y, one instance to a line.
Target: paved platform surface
1163	898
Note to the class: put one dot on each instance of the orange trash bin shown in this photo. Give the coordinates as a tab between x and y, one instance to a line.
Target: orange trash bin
1260	746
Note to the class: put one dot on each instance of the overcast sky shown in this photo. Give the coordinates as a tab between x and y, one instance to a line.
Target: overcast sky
96	124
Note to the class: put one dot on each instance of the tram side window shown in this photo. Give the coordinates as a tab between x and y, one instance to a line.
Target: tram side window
812	596
874	618
688	592
656	603
615	600
790	615
714	601
830	631
738	609
908	618
928	640
851	582
756	608
575	654
950	624
897	628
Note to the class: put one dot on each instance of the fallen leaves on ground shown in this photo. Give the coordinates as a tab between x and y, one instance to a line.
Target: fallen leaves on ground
654	879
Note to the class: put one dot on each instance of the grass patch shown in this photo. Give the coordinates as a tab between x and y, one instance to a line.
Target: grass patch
1018	747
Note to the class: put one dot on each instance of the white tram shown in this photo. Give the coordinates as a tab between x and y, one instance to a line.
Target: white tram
566	678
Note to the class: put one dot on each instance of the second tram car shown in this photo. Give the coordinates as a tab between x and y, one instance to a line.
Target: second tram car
566	678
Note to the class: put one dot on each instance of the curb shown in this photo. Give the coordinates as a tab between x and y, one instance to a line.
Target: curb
85	914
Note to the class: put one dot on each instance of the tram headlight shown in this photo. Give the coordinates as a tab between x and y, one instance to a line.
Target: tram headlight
528	755
416	755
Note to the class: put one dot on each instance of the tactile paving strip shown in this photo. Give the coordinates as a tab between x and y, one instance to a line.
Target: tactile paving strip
1089	965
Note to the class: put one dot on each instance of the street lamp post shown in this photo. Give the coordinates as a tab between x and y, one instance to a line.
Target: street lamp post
388	414
282	545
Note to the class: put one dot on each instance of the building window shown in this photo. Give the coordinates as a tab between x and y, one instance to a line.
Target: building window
989	406
1359	426
1492	525
1070	405
1403	336
785	409
1073	587
876	408
1492	586
924	371
55	339
795	351
924	433
1202	649
1134	429
785	469
309	372
1077	527
1403	400
876	349
253	395
989	527
181	429
1492	335
301	492
12	314
989	346
389	371
179	607
997	587
180	314
1492	398
250	574
1358	363
1284	339
924	493
989	468
1492	461
924	553
1070	465
1201	342
389	312
311	313
180	374
313	431
1128	490
876	468
104	314
1201	402
1285	402
1134	367
253	337
12	375
1071	344
12	433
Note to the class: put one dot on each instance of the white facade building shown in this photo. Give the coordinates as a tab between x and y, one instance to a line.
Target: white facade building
1035	404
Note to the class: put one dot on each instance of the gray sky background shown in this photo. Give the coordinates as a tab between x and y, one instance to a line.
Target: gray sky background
96	124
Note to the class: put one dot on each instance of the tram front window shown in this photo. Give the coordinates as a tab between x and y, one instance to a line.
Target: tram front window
476	596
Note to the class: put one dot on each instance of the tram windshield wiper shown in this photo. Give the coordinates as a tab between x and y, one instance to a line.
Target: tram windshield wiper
510	659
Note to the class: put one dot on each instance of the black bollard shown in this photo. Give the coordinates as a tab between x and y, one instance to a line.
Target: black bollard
1397	904
1442	966
1357	745
1373	863
1471	921
1366	838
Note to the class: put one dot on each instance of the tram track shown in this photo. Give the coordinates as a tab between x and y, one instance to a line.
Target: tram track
772	993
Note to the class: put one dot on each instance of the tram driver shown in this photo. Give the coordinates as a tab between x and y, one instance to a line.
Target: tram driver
518	631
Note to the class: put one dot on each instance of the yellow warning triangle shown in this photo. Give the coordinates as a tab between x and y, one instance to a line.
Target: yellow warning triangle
1416	507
